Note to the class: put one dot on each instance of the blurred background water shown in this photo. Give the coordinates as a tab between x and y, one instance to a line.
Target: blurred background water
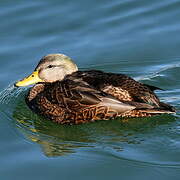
137	37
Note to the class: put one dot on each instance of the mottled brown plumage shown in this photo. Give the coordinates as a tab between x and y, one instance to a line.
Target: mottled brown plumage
86	96
73	102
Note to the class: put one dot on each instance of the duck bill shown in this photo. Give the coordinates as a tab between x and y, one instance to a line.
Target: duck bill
32	79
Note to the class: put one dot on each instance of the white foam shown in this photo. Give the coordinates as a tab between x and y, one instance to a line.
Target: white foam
9	92
158	72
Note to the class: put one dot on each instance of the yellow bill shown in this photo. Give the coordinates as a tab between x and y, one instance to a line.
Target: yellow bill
32	79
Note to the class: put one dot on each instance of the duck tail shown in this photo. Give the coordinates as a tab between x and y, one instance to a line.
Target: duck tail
162	109
167	107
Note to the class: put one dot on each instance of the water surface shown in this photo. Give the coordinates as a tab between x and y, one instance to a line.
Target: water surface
139	38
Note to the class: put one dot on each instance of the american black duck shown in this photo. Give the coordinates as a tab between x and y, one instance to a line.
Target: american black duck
68	96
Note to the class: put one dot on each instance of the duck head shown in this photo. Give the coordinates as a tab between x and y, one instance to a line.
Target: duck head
51	68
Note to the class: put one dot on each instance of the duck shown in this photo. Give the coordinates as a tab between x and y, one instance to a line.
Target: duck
66	95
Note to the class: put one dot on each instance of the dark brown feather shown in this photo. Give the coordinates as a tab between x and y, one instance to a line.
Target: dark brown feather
120	86
86	96
73	102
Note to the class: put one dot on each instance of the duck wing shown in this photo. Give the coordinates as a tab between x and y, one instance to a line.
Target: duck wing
74	102
78	96
120	86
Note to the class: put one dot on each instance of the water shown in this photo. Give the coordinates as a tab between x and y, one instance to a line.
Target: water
139	38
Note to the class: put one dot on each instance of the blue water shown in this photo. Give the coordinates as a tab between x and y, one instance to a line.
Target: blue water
139	38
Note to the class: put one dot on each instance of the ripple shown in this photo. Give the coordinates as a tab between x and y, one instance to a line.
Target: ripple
159	69
8	93
121	139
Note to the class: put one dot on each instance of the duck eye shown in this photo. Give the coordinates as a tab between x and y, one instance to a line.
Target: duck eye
50	66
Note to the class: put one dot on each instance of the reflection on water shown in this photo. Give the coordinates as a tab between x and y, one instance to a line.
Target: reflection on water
60	140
